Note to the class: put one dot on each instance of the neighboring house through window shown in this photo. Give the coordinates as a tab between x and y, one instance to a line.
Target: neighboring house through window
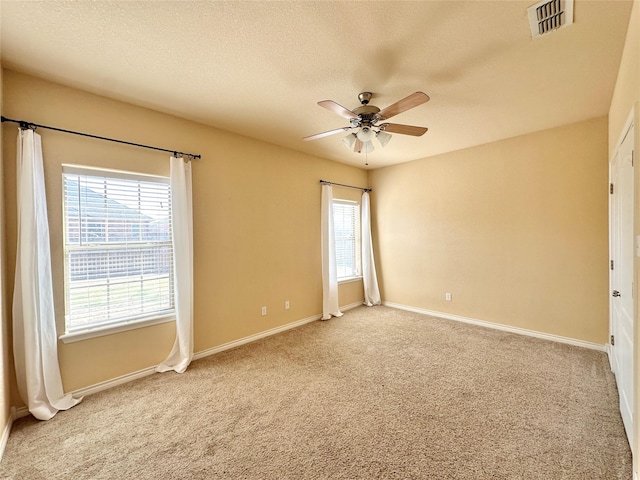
118	254
346	225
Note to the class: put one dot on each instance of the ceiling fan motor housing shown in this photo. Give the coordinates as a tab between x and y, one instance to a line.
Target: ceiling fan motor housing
367	115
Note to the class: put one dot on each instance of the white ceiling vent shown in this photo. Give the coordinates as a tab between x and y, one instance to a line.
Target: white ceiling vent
549	15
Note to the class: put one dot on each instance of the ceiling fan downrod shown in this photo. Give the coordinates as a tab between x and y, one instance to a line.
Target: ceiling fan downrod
365	97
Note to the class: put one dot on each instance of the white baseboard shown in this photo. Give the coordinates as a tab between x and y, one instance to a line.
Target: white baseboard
498	326
19	412
114	382
5	433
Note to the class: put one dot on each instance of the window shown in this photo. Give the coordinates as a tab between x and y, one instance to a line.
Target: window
346	225
118	254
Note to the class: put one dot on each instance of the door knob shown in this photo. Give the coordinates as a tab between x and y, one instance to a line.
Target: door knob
616	293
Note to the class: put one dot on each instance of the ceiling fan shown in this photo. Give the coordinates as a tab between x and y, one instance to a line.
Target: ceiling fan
365	120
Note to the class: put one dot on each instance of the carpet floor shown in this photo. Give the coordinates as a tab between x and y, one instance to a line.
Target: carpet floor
378	393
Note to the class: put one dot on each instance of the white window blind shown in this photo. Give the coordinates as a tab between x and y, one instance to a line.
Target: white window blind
117	246
346	225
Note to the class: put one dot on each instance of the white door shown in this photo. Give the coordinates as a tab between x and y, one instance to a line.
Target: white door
622	241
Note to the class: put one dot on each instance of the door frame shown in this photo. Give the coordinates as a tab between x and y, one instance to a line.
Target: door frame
630	123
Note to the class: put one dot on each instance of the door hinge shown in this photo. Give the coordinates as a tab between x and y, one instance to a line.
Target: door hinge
613	340
611	264
611	188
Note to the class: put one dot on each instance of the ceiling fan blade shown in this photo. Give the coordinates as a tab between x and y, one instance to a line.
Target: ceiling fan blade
357	147
326	134
413	100
337	108
403	129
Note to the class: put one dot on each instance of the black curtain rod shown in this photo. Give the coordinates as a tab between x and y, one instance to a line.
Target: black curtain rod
23	124
326	182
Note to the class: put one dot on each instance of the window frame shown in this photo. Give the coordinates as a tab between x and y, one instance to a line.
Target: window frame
357	253
125	323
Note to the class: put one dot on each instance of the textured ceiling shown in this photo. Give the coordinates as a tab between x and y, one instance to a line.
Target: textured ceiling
259	68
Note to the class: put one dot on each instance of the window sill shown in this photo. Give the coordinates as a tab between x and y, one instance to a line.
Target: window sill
120	327
349	280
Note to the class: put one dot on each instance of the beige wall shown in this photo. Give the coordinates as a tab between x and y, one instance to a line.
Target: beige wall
627	95
516	230
256	221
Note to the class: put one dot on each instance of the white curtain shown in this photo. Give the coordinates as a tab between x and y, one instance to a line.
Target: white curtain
35	342
369	277
329	269
182	232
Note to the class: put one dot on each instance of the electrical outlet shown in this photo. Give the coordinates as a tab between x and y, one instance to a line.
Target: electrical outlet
447	297
287	305
264	310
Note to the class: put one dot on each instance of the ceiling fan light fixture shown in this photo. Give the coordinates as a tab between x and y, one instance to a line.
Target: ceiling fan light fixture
349	141
383	138
365	134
